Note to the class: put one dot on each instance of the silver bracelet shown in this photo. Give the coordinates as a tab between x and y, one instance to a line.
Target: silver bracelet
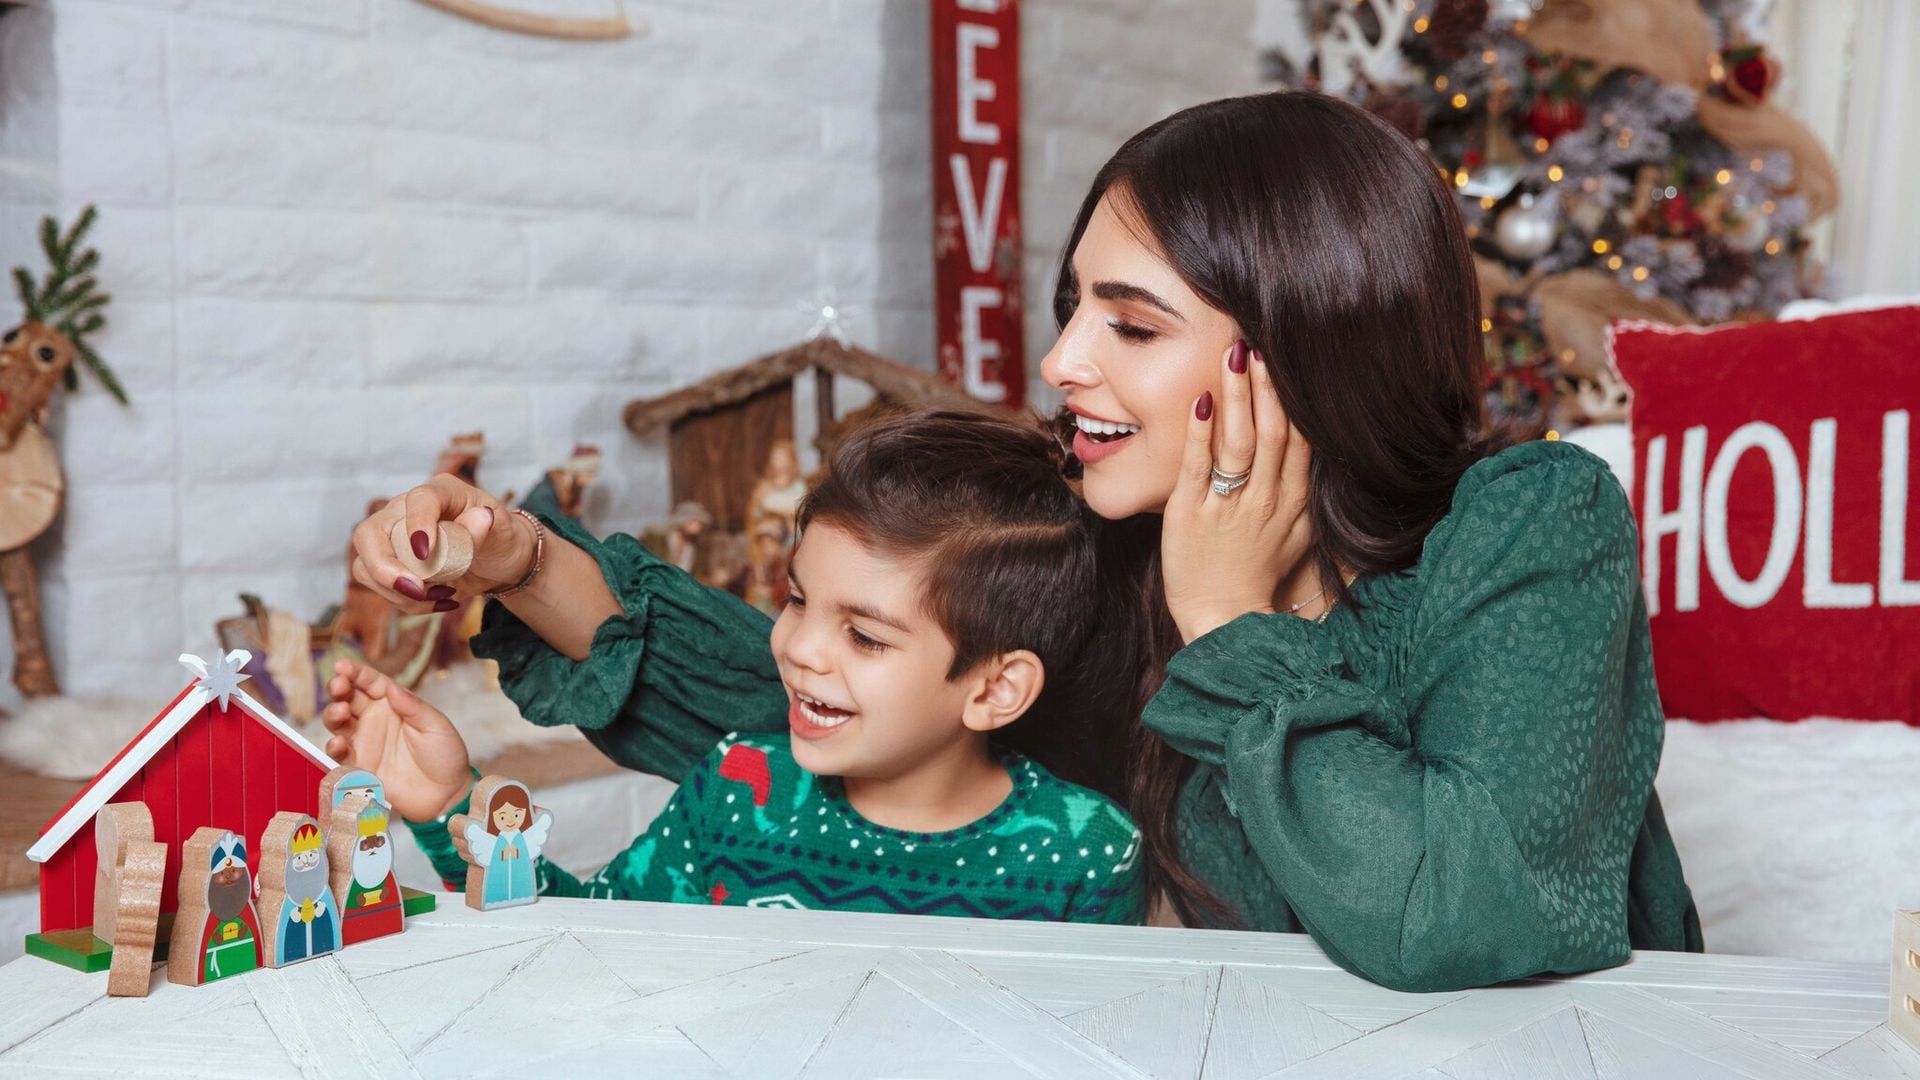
539	557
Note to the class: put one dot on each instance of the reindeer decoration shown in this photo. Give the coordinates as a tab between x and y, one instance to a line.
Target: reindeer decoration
36	357
1347	53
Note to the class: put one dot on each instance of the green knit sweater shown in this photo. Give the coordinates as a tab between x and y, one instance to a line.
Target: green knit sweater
749	827
1448	783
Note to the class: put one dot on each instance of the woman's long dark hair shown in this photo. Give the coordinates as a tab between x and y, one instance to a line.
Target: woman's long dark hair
1334	244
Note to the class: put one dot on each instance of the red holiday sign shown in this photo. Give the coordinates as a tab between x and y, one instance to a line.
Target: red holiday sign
976	189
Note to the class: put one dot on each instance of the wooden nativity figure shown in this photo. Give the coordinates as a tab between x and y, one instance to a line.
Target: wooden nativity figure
36	358
767	552
683	538
571	480
462	457
215	932
128	879
502	845
777	496
296	903
360	855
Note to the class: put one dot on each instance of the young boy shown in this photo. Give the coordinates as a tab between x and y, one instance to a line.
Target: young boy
938	593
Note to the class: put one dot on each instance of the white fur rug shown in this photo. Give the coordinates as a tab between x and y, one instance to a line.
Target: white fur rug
1798	839
72	738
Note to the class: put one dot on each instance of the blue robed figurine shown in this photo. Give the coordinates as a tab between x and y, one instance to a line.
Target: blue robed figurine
503	844
307	924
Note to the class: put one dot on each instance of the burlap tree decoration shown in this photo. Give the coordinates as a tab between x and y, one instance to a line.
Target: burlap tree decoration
36	358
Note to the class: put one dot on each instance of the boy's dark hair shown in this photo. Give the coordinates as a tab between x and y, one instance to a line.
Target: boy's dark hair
1008	549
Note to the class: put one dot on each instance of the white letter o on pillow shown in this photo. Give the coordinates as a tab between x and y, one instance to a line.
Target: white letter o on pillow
1786	514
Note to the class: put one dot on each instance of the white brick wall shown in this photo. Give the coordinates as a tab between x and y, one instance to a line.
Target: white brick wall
338	231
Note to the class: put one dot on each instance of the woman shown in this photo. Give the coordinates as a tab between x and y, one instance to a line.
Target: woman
1396	685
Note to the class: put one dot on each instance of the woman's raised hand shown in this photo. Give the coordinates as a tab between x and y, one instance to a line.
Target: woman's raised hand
1224	555
503	544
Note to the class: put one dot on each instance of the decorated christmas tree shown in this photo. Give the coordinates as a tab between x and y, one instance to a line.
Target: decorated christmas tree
1612	159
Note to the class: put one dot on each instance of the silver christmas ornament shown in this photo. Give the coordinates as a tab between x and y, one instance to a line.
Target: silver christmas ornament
1511	10
1528	229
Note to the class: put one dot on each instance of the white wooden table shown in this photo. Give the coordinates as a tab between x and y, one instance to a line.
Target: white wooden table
576	988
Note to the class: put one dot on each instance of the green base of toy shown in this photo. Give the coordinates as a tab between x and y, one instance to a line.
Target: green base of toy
77	949
415	902
81	951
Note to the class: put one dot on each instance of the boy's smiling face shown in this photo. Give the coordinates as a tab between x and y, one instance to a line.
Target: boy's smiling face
864	665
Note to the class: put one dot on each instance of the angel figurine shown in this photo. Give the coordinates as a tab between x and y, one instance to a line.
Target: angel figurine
502	845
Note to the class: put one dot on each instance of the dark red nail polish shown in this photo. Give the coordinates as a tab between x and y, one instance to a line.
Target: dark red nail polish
409	588
1203	409
420	542
439	592
444	605
1236	363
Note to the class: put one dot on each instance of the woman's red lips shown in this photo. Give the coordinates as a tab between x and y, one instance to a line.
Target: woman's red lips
1089	451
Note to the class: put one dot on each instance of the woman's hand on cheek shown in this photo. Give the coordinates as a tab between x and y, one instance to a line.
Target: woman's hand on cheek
1225	555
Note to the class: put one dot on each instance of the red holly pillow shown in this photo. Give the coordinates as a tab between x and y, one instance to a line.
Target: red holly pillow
1772	476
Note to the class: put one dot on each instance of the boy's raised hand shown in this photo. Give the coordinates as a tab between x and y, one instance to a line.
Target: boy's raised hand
383	727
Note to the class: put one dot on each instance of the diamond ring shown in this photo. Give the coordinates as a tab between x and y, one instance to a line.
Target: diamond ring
1228	483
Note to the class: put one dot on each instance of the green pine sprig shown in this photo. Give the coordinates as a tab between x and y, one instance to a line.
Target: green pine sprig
69	299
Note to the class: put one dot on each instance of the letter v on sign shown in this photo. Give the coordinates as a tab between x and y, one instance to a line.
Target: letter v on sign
979	215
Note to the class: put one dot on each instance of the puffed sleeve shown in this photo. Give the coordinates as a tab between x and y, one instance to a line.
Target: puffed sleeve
682	665
1478	824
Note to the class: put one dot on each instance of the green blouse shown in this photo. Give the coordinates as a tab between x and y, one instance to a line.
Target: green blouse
1448	783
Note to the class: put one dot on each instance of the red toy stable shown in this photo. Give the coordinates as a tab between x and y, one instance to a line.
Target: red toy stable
214	756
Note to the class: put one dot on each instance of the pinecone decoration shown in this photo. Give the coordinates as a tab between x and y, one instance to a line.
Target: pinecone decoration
1724	267
1399	110
1455	24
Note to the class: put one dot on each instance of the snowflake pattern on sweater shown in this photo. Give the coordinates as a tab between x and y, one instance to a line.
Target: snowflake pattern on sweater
750	828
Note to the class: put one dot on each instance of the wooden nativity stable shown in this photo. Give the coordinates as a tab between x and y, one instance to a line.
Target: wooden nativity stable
213	756
721	430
